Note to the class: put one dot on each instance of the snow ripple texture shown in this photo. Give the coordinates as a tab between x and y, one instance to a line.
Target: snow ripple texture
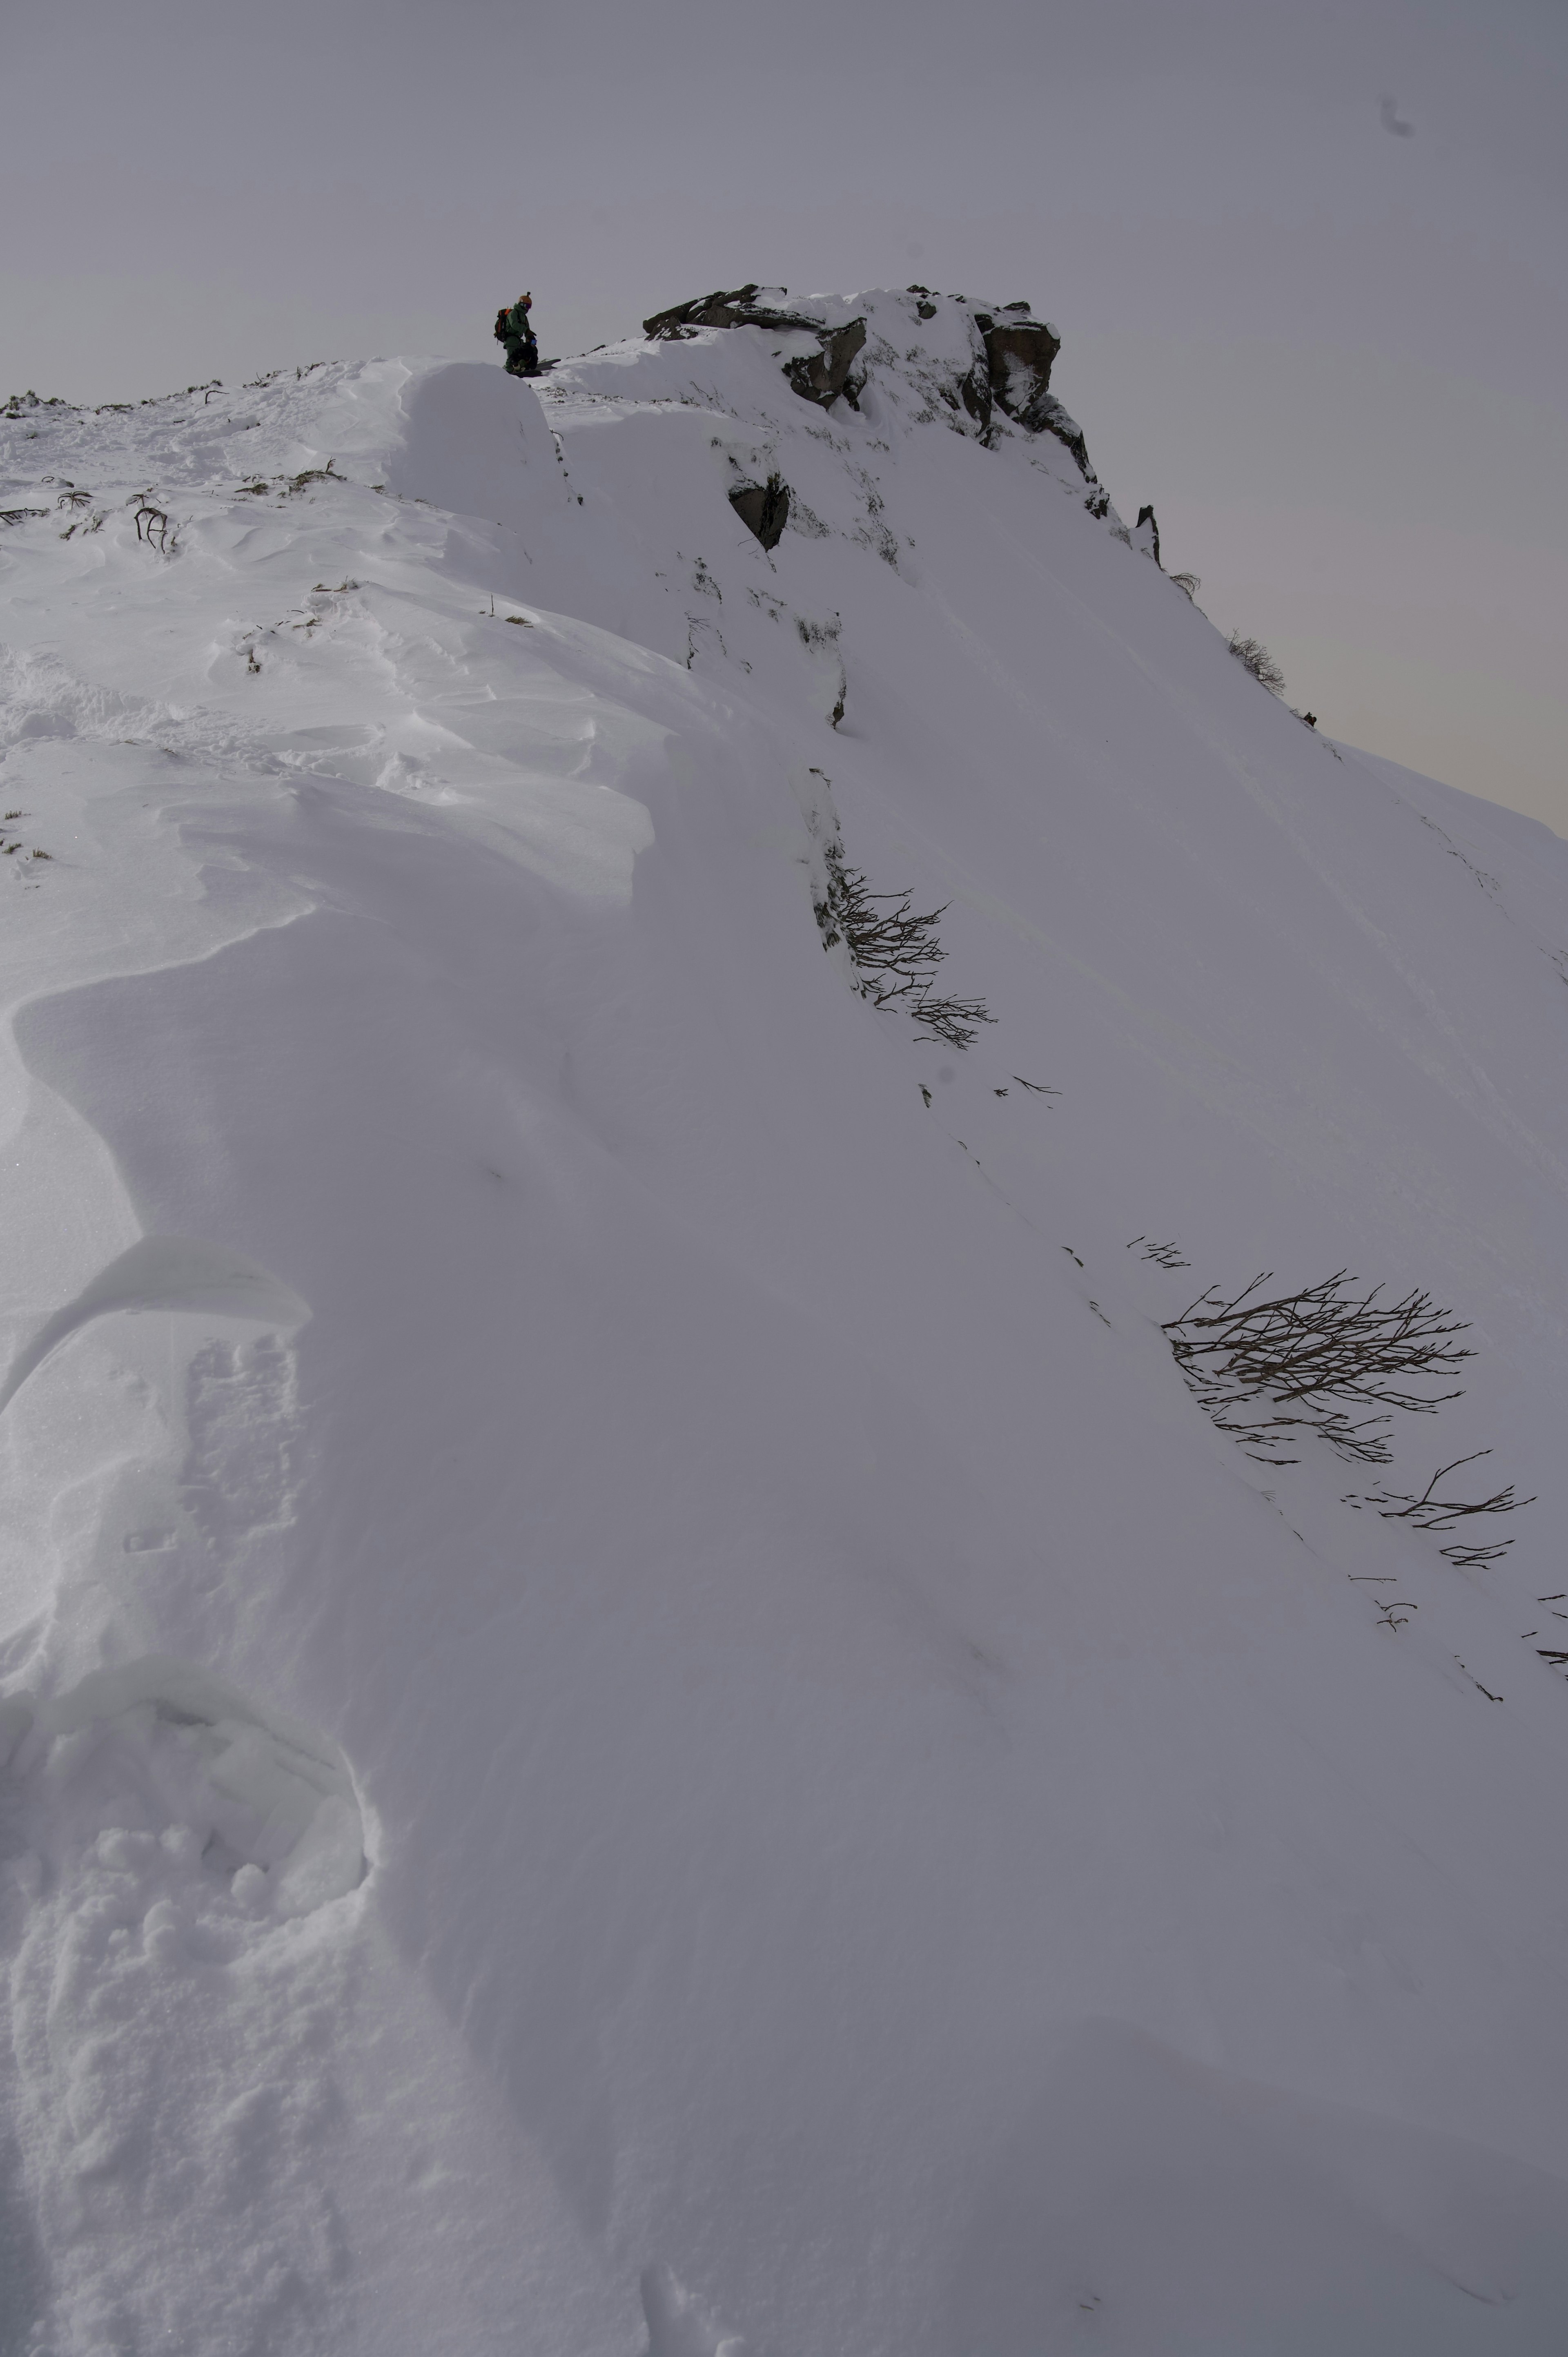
166	1847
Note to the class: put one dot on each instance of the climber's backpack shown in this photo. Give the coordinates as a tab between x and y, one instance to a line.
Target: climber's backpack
502	330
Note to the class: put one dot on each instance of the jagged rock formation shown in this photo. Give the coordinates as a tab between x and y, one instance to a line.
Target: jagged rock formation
997	366
1146	535
818	376
823	376
739	308
764	509
1018	356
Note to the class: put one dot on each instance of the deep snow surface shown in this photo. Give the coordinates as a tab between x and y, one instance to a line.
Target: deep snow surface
640	1711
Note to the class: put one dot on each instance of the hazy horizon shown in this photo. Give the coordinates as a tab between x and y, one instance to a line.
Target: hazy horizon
1309	274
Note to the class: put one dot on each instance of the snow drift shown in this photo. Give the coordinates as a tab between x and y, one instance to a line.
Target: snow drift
640	1713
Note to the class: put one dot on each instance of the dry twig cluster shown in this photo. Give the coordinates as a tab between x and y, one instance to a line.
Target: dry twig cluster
1266	1370
1255	656
1165	1256
895	955
1429	1513
157	529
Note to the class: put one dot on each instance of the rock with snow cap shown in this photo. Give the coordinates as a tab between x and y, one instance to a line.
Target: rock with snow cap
1019	353
764	509
817	376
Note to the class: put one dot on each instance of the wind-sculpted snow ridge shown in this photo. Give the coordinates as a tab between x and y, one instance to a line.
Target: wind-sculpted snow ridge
639	1710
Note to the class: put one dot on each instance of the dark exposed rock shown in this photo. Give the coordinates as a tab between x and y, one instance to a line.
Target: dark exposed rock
1048	417
975	392
1018	352
1146	535
1010	371
731	310
816	376
820	376
763	508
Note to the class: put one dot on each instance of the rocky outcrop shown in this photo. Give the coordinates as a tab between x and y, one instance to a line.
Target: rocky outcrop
1019	352
732	310
823	376
1049	416
820	376
975	392
1146	535
987	367
763	508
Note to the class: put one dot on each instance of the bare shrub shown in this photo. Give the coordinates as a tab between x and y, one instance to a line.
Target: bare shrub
895	955
1257	659
1304	1362
302	482
1164	1256
1430	1513
157	529
952	1020
1188	583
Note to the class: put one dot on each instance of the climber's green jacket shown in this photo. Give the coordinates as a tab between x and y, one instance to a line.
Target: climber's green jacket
513	330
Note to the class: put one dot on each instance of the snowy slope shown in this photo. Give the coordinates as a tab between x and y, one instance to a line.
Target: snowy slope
640	1710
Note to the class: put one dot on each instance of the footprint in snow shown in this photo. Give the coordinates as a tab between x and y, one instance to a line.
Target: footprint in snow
171	1851
241	1417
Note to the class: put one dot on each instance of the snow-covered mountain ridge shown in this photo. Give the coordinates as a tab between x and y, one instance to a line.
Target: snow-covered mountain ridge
626	1659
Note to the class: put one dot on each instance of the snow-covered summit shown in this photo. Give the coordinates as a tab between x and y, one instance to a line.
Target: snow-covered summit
626	1662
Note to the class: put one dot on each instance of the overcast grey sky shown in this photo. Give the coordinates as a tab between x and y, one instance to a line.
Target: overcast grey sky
1331	351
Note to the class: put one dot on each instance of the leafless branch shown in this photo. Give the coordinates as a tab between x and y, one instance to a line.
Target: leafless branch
1430	1513
894	954
1255	656
1166	1255
157	529
1313	1357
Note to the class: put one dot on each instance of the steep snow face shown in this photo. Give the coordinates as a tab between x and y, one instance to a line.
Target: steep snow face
639	1712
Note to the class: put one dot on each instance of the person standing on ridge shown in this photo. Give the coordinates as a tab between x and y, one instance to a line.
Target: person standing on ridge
513	329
